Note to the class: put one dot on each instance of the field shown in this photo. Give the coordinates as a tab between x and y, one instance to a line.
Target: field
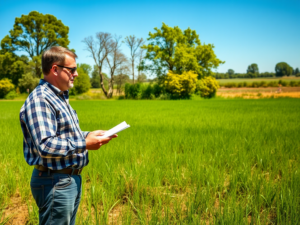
219	161
249	80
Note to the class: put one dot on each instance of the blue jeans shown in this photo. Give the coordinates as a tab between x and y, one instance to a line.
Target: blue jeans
57	196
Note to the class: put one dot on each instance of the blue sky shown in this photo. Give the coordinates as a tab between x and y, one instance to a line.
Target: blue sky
243	32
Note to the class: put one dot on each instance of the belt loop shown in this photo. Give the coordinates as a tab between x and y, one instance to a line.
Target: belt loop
49	172
73	169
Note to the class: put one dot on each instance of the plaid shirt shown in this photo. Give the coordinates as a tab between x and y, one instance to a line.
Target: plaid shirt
52	136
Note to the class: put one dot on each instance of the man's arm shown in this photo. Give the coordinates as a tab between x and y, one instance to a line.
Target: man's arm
42	125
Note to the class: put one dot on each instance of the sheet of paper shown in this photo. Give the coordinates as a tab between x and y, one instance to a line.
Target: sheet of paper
116	129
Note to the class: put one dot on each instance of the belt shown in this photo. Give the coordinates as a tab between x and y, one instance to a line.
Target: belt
69	171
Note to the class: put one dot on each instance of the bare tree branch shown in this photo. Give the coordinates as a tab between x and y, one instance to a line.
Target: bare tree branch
100	49
133	43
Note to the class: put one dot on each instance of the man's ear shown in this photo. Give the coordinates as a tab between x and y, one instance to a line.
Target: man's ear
54	70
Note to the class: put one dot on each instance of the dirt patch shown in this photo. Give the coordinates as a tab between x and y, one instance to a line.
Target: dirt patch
16	211
256	93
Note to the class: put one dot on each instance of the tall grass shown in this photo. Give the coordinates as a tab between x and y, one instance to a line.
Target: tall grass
181	162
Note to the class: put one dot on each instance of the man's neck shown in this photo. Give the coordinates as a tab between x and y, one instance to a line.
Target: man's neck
52	81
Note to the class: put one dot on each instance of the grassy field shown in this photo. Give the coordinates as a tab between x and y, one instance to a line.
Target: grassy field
220	161
249	80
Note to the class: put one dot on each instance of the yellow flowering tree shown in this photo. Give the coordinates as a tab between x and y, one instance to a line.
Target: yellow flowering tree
5	86
207	87
181	85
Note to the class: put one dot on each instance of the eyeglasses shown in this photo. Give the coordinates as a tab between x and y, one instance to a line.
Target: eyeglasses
72	69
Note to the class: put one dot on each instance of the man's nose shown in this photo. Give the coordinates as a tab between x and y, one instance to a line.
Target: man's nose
75	74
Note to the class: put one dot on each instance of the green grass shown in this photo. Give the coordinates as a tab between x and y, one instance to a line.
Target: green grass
249	80
181	162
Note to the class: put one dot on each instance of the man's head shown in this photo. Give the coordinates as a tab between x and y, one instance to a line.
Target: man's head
59	67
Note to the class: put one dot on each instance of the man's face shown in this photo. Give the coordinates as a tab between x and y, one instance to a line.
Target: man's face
65	78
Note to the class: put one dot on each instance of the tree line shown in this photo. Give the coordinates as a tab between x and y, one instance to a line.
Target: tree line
176	58
281	69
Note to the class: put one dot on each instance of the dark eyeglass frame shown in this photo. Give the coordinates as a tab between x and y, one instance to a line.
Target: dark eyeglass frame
72	69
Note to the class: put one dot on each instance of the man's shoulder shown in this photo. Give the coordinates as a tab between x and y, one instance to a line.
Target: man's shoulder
40	93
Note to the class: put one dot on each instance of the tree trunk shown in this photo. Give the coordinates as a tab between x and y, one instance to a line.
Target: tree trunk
102	84
132	64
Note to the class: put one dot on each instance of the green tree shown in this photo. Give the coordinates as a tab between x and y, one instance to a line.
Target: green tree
283	69
35	32
253	68
28	81
171	49
142	78
81	83
86	67
95	79
296	71
12	67
230	72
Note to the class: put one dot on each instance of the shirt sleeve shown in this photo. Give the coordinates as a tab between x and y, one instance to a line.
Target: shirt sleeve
42	124
85	133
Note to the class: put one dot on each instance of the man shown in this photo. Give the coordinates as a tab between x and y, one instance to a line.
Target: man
53	141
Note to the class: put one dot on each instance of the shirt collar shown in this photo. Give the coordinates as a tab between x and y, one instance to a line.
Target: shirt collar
56	90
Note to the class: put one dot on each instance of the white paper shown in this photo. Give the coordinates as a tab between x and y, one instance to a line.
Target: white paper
116	129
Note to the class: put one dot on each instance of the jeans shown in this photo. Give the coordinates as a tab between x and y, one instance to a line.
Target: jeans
57	196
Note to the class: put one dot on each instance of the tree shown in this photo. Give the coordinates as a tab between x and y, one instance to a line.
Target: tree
181	85
207	87
115	60
253	68
81	83
100	49
283	69
142	78
133	43
28	81
12	67
230	72
5	87
170	49
122	77
141	55
85	67
34	33
296	71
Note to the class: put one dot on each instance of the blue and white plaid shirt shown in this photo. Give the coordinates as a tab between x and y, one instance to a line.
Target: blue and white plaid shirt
52	136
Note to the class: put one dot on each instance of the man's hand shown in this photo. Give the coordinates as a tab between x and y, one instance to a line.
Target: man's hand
94	140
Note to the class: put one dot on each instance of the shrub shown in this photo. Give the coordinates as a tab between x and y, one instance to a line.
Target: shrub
5	87
181	85
142	91
292	83
255	84
240	84
284	83
133	90
230	85
272	84
207	87
263	84
157	90
81	83
146	91
28	81
11	95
